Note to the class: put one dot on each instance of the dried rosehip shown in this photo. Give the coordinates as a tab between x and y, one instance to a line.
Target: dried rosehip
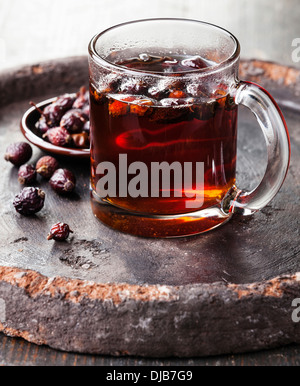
177	94
117	108
98	97
63	181
26	174
167	102
159	91
86	127
59	232
81	140
82	98
197	90
144	60
205	111
58	136
140	106
86	110
65	101
171	110
133	87
29	201
194	62
73	121
46	166
230	103
18	153
54	112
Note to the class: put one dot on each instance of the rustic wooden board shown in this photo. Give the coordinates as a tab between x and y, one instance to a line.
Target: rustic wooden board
226	291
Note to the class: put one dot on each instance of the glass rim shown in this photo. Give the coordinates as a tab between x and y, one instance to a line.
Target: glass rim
208	70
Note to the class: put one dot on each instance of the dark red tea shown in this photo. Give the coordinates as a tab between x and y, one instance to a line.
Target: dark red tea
174	120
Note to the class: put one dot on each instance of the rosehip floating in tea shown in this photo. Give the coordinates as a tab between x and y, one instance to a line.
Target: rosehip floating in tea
58	136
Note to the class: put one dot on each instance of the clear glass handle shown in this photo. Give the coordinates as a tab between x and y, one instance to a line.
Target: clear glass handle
274	128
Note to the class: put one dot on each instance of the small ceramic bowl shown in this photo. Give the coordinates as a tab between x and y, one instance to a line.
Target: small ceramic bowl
29	131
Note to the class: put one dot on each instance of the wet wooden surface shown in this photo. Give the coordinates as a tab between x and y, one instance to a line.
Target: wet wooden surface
244	251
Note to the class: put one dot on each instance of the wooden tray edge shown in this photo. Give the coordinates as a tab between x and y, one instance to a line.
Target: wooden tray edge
87	317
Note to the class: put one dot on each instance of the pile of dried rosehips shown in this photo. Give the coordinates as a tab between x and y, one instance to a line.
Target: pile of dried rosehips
31	199
66	122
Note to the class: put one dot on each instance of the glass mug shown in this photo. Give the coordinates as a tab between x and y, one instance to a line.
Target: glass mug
164	97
